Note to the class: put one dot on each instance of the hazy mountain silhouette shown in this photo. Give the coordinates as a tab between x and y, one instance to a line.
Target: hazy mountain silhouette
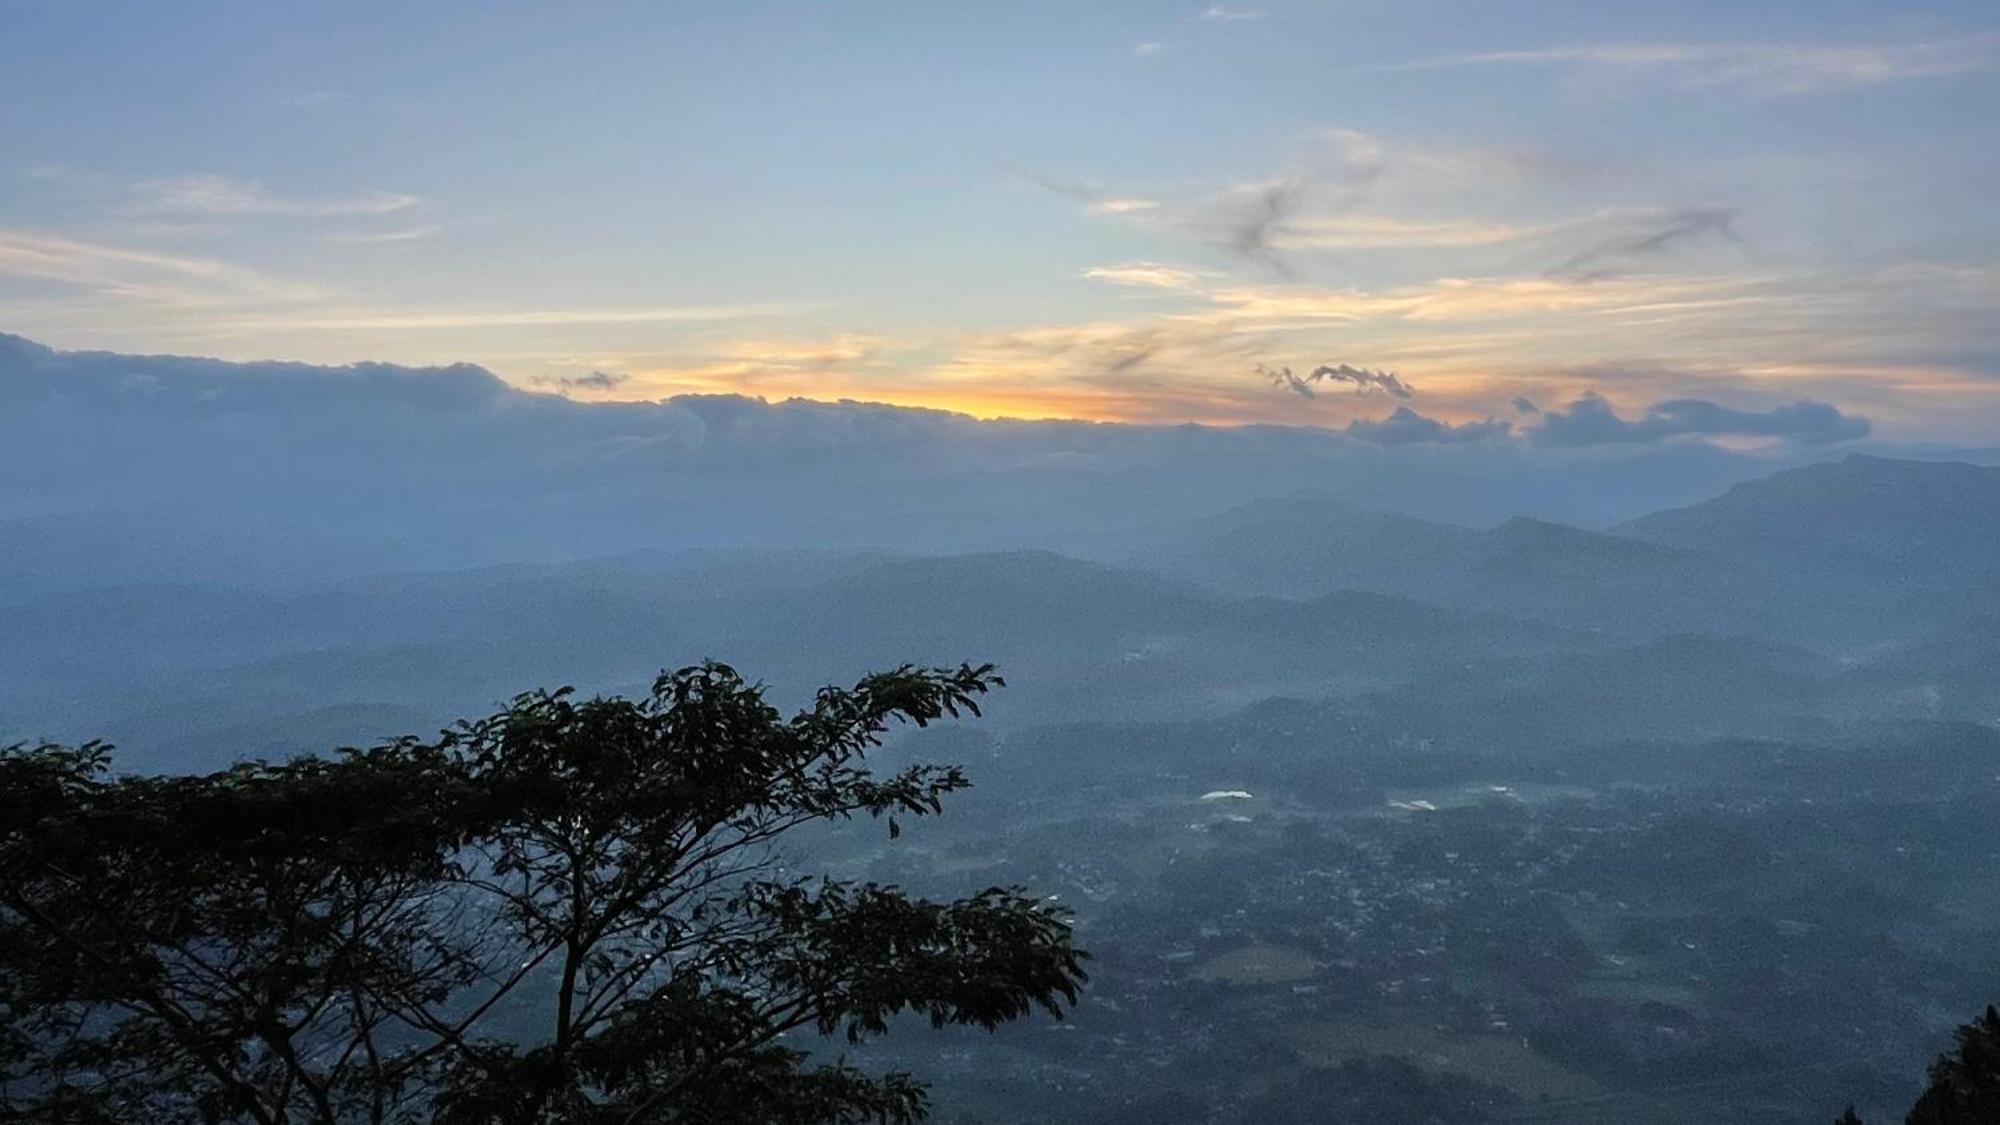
1524	567
1864	548
1903	521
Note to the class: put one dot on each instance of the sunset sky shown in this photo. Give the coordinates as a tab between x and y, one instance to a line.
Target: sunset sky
1121	211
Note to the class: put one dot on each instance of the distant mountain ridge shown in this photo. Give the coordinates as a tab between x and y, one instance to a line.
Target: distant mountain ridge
1078	638
1527	568
1934	516
1845	553
1894	549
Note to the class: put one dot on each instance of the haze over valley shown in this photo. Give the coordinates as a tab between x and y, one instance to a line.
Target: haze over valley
1471	751
1133	563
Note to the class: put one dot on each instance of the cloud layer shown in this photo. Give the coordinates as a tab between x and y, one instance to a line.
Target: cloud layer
1770	68
1591	420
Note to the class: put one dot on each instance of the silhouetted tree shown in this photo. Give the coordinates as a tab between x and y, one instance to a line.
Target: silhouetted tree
570	911
1965	1083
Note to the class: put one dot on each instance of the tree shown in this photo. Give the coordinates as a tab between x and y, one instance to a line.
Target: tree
1965	1083
570	911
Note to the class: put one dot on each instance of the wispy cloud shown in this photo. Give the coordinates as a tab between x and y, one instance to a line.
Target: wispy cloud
1147	50
1224	13
420	233
1620	238
1147	275
1462	299
223	196
1090	195
1252	220
1381	232
819	368
140	275
517	318
1475	348
1770	68
52	172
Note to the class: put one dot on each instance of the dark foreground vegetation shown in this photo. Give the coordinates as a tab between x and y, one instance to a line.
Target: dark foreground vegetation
582	911
572	911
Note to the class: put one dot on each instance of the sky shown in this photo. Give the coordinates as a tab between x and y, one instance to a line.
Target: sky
1425	215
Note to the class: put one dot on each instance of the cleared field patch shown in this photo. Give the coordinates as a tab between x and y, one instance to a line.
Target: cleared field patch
1500	1058
1258	964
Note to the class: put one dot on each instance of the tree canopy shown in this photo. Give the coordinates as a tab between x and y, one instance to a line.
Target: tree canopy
573	910
1964	1087
1965	1082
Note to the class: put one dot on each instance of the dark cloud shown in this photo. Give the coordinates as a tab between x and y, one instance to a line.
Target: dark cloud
1361	379
1074	189
1644	236
1590	420
595	381
1407	427
1089	194
1524	405
1251	221
1128	361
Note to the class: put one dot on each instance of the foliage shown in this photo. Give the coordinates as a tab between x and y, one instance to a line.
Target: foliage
574	910
1965	1083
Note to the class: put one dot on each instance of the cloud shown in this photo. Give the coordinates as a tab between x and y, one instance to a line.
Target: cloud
1315	204
1148	50
1147	275
819	368
421	233
1767	68
1244	219
1524	405
1459	299
139	275
1250	220
1647	234
423	429
306	99
1591	420
1086	193
223	196
1255	220
513	318
594	381
1381	232
1363	380
1407	427
391	467
1223	13
54	172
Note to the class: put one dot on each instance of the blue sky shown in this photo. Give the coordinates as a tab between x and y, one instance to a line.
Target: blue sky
1111	210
